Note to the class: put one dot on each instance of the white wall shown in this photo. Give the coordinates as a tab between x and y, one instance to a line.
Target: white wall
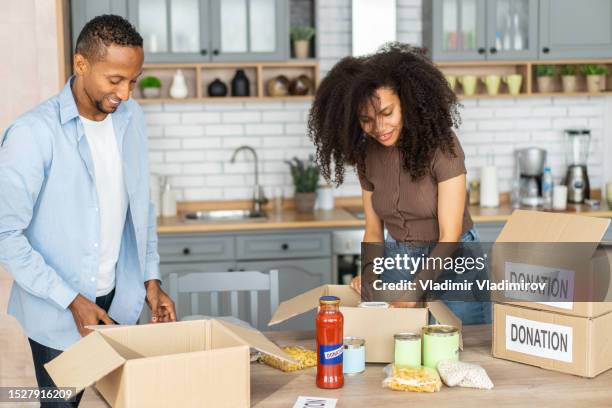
194	142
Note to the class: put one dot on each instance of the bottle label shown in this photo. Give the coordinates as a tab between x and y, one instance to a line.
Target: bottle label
330	354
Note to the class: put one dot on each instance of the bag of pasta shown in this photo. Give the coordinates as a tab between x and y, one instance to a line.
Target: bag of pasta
305	359
416	379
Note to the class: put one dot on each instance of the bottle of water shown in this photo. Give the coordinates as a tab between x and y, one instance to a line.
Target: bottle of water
547	186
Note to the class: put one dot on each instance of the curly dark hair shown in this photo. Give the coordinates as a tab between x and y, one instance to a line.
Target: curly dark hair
102	31
429	110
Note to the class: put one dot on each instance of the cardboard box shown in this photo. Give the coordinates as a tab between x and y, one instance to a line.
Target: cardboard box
376	326
569	344
200	363
567	253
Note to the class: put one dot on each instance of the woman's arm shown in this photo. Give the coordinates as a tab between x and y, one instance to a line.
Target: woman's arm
451	205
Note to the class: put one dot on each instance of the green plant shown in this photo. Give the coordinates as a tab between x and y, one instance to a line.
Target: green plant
150	82
302	33
569	70
594	69
305	174
545	70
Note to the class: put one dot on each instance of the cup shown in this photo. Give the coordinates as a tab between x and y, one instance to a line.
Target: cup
452	81
468	82
325	197
559	199
492	83
513	82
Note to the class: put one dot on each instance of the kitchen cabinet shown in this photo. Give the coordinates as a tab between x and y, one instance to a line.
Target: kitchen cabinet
84	10
512	29
570	29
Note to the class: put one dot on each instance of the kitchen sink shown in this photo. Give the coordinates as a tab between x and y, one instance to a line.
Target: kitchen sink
224	215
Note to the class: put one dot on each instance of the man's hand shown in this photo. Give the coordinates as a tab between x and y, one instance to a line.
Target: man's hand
87	313
162	307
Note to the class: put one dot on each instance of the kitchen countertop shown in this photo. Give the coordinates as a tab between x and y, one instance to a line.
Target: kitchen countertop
337	218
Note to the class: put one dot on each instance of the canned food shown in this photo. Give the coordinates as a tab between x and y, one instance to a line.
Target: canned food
407	349
354	356
440	342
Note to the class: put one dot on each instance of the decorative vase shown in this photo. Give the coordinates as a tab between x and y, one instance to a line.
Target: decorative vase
593	83
545	84
151	92
178	89
301	48
569	83
278	86
240	84
300	85
305	202
217	88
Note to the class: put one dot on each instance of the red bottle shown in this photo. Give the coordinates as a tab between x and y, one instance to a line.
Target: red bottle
330	325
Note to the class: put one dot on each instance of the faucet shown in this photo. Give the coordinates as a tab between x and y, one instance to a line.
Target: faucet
259	198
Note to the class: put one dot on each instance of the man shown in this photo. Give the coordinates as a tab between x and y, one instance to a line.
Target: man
77	229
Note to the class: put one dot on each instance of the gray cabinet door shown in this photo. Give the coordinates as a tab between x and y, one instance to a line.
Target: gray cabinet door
575	29
295	276
84	10
458	30
281	246
512	29
249	30
193	248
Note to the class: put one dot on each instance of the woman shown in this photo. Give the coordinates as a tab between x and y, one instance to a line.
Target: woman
391	116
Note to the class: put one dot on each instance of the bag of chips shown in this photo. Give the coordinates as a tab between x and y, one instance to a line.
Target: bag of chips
416	379
305	358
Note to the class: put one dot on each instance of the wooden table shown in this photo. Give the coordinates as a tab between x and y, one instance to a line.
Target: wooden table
516	385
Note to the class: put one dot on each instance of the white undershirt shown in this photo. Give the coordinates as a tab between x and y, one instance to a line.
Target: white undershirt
112	197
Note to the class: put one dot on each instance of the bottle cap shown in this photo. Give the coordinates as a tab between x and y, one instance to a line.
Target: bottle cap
329	300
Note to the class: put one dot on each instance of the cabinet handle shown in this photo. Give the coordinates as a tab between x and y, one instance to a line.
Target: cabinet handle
493	50
230	270
481	50
285	247
186	251
215	52
545	50
241	270
204	51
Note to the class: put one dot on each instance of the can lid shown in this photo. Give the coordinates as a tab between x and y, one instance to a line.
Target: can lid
407	336
440	330
353	342
329	300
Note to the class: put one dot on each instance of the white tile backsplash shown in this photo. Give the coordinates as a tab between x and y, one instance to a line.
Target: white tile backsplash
194	142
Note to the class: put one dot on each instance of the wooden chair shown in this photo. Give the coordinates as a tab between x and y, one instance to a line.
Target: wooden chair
214	283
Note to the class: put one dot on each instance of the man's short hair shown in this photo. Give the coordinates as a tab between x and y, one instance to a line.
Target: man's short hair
102	31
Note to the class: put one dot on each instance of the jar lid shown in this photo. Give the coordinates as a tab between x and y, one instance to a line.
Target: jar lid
407	336
440	330
329	300
353	342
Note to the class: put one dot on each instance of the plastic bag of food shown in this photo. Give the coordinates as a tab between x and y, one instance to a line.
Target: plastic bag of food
416	379
305	359
464	374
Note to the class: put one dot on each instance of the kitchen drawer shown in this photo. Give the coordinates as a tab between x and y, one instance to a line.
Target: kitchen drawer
277	246
195	248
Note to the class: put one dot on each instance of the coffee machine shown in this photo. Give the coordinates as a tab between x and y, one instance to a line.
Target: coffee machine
529	169
577	179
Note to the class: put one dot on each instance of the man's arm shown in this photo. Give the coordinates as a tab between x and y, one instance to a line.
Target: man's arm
23	159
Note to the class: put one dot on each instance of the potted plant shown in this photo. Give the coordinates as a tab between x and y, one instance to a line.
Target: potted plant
595	77
305	175
301	36
150	87
568	78
545	74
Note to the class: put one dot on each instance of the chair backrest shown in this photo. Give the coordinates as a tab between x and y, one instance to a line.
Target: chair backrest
215	282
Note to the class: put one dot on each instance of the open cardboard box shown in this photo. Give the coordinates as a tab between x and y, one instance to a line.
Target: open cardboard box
200	363
376	326
579	262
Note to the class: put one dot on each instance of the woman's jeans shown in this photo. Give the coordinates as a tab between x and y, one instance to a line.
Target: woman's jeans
469	311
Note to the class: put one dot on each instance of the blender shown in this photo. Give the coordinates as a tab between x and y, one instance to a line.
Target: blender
577	179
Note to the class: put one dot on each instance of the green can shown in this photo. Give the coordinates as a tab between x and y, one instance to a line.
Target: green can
407	349
440	342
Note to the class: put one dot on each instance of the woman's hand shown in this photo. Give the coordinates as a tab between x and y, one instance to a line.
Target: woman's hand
403	304
356	284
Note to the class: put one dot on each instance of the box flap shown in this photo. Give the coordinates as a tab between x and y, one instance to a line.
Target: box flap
255	339
538	226
444	315
298	305
85	362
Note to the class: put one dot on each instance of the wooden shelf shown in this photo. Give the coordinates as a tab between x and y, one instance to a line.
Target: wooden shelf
199	76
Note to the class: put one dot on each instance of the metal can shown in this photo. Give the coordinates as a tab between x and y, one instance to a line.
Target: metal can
354	356
440	342
407	349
